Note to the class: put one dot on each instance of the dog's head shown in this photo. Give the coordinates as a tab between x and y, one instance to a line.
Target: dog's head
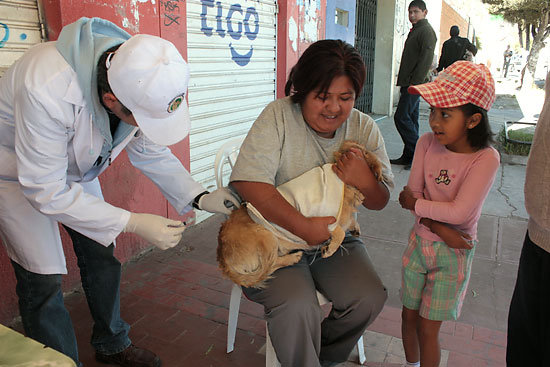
346	146
370	158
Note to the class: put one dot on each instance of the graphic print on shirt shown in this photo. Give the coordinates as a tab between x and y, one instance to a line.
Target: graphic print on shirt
443	177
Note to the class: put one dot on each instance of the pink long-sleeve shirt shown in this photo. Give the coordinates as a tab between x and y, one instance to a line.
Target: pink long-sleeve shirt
450	187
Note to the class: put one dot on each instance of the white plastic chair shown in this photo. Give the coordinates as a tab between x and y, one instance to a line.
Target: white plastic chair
227	154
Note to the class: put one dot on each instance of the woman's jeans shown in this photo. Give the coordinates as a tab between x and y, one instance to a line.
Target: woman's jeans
43	312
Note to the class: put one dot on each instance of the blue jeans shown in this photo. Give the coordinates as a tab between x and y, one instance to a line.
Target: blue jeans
406	121
43	312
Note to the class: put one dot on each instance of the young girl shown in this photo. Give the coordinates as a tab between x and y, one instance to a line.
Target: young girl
452	171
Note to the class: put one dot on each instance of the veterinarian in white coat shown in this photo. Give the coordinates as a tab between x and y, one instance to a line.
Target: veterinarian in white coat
67	109
291	136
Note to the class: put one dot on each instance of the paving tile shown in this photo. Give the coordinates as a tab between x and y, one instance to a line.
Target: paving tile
375	355
177	304
141	308
444	362
489	336
464	330
390	313
392	328
396	347
391	223
448	327
159	327
252	324
392	359
378	341
511	238
487	236
456	359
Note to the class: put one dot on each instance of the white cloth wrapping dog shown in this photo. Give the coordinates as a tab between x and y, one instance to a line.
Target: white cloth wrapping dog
318	192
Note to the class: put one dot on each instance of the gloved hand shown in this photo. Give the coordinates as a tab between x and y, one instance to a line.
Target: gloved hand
219	201
162	232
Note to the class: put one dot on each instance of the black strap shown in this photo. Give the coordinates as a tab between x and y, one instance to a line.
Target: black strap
195	203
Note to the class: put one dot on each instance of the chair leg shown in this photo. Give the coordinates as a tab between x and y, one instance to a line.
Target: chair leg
234	304
270	355
361	351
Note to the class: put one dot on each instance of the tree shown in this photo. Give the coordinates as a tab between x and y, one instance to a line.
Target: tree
532	18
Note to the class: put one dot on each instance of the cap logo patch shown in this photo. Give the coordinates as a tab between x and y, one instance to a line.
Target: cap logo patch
175	103
447	77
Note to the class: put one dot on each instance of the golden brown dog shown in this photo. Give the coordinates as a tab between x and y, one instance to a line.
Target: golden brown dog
248	253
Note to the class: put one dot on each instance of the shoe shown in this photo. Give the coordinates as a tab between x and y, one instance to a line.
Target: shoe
131	357
401	161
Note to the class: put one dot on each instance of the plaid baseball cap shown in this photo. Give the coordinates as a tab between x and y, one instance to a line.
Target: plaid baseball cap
461	83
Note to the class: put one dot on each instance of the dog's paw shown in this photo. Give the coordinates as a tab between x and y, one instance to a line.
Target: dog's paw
296	256
326	251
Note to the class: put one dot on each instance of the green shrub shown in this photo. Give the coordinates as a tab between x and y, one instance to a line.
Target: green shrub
511	147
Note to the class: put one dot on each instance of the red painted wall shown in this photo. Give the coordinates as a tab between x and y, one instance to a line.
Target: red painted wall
299	24
122	184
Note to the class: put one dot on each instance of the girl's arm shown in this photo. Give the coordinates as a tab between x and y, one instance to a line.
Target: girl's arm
274	208
415	186
452	237
416	181
470	196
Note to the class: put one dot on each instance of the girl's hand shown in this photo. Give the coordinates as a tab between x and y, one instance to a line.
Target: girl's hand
352	168
406	198
316	231
452	237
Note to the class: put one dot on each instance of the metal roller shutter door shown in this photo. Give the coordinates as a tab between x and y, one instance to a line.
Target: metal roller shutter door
19	29
232	57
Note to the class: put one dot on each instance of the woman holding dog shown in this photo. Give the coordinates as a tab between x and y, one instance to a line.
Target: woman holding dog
291	136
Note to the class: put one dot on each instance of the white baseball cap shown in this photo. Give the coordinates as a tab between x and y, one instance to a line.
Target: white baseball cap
150	77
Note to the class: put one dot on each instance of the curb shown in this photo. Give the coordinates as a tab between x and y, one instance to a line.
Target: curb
513	159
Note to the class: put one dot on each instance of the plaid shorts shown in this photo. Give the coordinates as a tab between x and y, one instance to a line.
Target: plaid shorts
435	278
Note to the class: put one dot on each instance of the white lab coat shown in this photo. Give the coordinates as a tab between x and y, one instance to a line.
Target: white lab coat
48	147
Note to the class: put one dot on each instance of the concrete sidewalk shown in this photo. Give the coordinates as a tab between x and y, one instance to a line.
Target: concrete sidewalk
177	300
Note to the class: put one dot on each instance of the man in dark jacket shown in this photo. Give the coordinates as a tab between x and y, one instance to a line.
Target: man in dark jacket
455	49
416	61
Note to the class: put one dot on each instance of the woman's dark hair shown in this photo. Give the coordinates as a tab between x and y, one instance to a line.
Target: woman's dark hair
480	136
103	80
320	64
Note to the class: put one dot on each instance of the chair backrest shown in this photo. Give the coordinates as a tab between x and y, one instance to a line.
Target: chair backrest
227	154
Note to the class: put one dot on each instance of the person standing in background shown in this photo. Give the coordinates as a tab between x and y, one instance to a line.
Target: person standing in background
455	49
528	318
507	58
416	61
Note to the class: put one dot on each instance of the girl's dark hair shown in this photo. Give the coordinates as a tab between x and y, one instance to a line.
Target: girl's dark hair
102	79
320	64
480	136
